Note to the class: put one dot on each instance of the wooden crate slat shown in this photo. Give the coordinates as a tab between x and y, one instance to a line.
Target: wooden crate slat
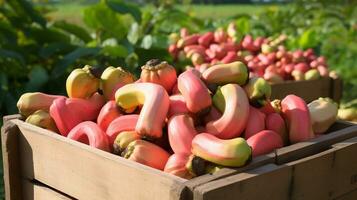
307	148
253	184
225	172
331	174
348	196
344	174
42	153
290	153
308	90
310	176
87	173
11	161
336	89
178	191
35	191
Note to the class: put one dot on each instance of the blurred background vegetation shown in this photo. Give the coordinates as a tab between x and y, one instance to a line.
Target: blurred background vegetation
41	41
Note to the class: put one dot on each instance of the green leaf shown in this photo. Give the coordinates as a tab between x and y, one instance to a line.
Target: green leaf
147	42
105	21
155	41
115	51
7	33
14	18
7	54
132	61
4	85
51	49
3	88
161	41
129	46
76	30
125	8
134	33
10	103
70	58
38	78
308	39
147	54
90	18
24	9
243	25
48	35
171	20
110	42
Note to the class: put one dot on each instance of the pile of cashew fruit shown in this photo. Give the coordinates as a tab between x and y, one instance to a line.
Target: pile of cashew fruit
265	57
185	124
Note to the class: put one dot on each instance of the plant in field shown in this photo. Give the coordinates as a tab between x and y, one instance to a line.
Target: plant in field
35	54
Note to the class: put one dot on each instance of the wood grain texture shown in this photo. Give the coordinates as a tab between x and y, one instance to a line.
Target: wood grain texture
336	89
11	161
327	175
348	196
267	182
36	191
256	162
344	170
307	148
311	176
33	138
331	174
308	90
87	173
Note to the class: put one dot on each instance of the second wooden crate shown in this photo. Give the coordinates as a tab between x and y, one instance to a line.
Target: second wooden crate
309	90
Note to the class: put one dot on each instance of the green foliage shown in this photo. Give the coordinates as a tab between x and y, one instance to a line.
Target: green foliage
37	54
73	29
122	7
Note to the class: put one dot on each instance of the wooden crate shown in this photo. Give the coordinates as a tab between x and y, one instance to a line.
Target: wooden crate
52	165
309	90
331	174
41	165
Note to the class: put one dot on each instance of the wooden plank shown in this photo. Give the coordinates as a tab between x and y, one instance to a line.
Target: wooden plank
336	89
225	172
331	174
308	90
11	161
87	173
179	188
348	196
37	191
185	189
316	145
326	175
344	170
266	182
340	124
10	117
311	176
